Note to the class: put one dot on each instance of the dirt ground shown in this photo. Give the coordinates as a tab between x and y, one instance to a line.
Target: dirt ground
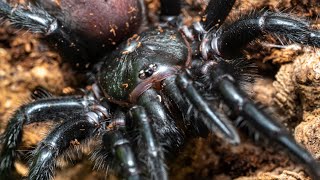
290	79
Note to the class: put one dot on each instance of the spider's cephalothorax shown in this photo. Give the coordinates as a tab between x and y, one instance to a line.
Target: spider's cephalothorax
142	62
156	87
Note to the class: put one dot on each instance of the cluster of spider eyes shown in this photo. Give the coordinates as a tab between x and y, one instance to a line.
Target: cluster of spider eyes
145	73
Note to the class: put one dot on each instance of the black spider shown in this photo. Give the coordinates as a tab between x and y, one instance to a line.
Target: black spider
153	89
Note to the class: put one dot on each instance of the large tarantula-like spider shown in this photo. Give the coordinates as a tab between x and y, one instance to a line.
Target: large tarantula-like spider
153	89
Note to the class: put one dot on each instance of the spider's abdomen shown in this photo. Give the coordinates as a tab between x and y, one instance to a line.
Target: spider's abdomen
100	22
143	62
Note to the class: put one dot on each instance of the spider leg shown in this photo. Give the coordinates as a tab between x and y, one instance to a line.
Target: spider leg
154	153
123	153
37	20
43	162
37	111
229	40
216	13
165	131
212	120
116	146
259	120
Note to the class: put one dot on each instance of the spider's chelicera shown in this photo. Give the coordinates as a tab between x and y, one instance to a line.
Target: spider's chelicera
153	89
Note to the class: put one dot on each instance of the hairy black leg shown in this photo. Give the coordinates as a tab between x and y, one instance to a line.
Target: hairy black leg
259	120
116	149
62	108
165	128
213	121
43	162
171	90
170	7
123	153
37	20
229	40
149	144
216	12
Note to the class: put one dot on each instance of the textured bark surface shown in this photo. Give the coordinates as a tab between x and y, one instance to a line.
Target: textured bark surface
290	81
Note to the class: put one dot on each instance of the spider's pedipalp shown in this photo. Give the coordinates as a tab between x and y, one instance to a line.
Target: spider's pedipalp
210	118
188	113
149	144
165	128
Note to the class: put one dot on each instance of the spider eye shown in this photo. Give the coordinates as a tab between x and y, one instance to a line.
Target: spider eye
147	72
